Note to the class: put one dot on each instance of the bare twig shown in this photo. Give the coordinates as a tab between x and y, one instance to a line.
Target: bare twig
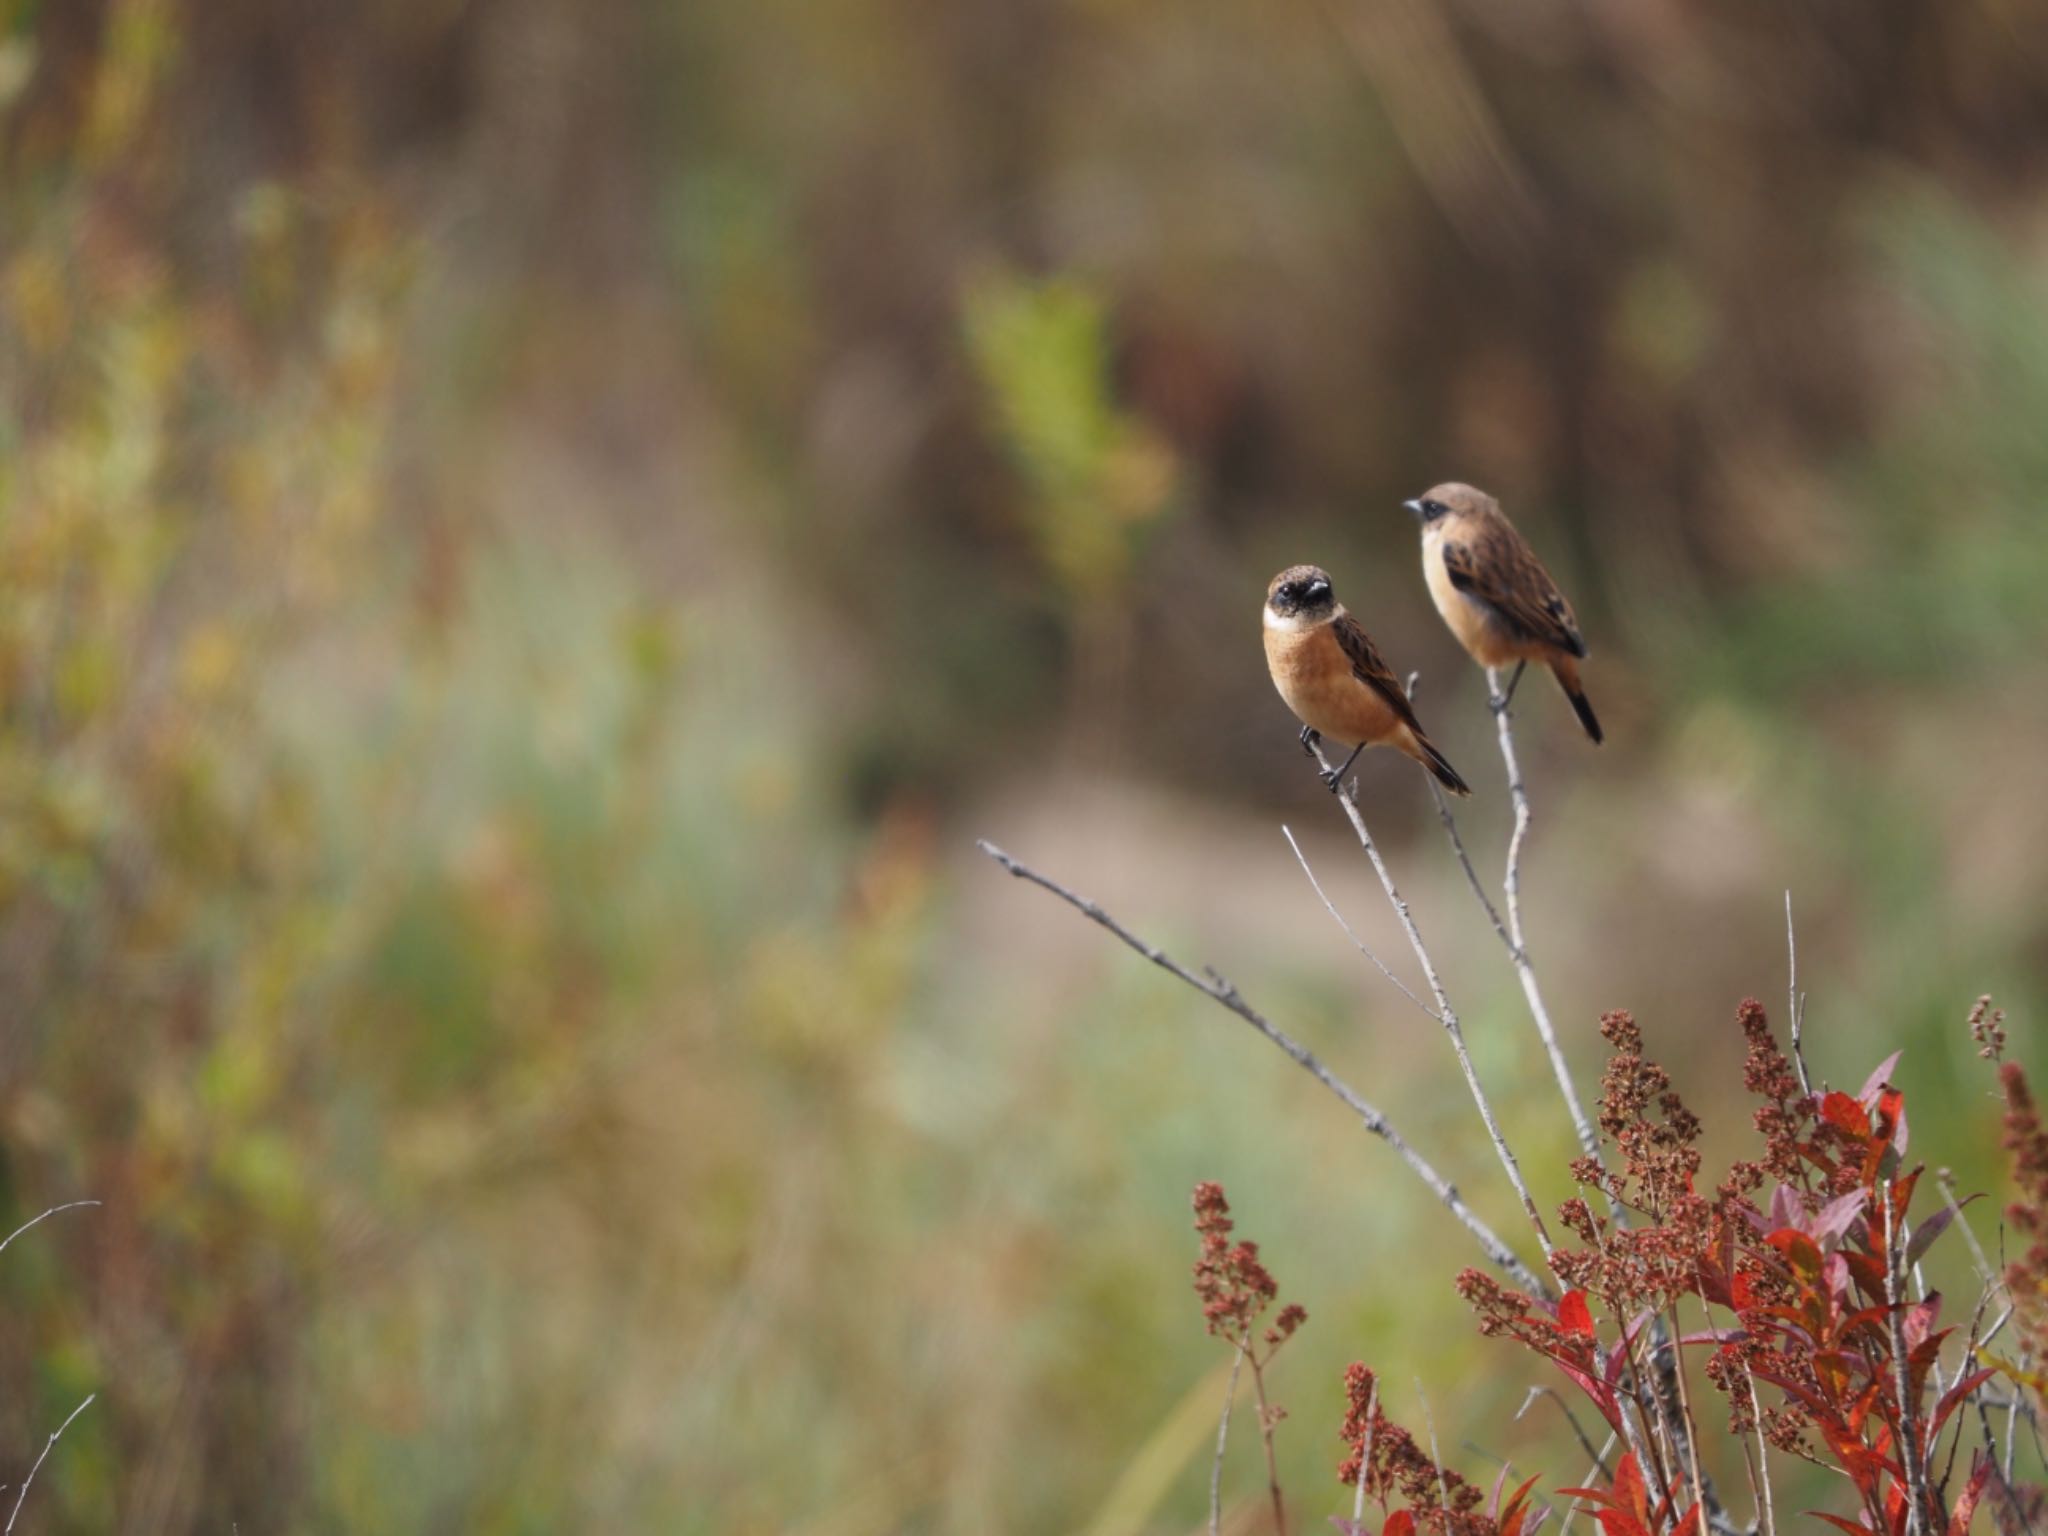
1763	1461
1331	907
1443	1492
53	1210
1266	1424
1222	1440
1794	1001
1917	1515
1445	815
1691	1449
1946	1178
1599	1465
1216	988
1372	1405
1513	934
1565	1408
48	1446
1445	1014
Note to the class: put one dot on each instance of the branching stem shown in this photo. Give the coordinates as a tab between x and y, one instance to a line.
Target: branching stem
1446	1015
1219	990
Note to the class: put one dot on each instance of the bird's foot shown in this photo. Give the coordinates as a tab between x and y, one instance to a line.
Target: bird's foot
1499	702
1310	739
1333	778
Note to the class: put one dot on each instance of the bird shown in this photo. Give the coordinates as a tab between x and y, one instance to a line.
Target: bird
1495	594
1331	675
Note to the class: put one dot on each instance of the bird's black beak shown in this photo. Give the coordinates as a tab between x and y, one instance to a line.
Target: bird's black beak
1415	506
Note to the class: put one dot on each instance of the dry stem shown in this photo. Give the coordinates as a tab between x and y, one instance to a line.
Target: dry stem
1691	1448
1266	1425
1215	987
48	1445
34	1220
1446	1015
1513	935
1372	1405
1794	1001
1222	1441
1917	1518
1763	1462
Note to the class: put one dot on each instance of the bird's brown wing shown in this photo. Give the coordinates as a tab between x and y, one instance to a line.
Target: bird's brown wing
1370	668
1497	566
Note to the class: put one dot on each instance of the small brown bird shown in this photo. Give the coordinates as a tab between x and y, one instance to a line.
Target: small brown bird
1495	594
1332	677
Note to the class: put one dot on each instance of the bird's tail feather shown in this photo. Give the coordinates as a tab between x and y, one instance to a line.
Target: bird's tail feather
1581	705
1438	764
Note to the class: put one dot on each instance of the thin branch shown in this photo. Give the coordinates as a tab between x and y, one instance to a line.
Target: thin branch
53	1210
1443	1492
1793	1000
48	1446
1946	1178
1446	1015
1372	1405
1763	1460
1513	934
1217	989
1585	1444
1599	1465
1692	1428
1331	907
1222	1440
1647	1442
1266	1425
1918	1517
1450	821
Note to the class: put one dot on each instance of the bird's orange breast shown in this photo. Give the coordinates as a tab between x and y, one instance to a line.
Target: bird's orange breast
1314	676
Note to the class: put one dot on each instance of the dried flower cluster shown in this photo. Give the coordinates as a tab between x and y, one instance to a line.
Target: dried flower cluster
1987	1028
1812	1277
1234	1286
1822	1348
2026	1142
1440	1499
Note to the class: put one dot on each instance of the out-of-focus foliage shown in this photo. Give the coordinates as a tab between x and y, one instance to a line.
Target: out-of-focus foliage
532	533
1096	478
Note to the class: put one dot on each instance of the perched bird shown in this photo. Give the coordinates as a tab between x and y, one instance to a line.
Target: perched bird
1332	677
1495	594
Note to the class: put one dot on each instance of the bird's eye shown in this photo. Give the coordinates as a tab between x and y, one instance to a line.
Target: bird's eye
1435	508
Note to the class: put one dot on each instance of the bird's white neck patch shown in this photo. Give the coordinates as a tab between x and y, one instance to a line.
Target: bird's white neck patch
1294	623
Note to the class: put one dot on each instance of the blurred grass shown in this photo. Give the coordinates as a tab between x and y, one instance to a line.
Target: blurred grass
518	581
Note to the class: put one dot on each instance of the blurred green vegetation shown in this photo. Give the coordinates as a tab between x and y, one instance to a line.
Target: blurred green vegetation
533	536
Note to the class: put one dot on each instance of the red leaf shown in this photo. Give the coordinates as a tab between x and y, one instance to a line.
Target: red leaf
1853	1527
1966	1502
1928	1230
1845	1115
1890	1119
1798	1249
1399	1523
1878	1078
1517	1509
1835	1218
1953	1399
1619	1522
1574	1316
1867	1272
